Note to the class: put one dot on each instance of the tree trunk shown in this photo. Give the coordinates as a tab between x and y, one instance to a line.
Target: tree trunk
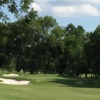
85	75
17	68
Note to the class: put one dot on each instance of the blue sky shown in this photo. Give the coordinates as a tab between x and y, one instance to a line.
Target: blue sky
79	12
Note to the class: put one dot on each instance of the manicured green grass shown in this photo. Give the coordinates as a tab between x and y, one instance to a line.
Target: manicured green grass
51	87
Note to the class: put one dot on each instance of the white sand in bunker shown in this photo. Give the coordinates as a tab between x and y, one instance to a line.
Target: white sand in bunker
13	82
10	74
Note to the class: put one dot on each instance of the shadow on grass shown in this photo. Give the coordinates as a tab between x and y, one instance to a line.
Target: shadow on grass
77	82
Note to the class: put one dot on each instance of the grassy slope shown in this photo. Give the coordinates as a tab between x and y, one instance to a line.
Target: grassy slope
51	87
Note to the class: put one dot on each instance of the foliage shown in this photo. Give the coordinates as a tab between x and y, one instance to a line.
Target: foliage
39	45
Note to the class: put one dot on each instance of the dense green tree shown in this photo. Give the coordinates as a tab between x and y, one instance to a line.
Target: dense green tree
22	37
74	49
42	55
56	44
94	54
3	45
39	44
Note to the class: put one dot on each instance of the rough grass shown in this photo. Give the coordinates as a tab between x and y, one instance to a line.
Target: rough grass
51	87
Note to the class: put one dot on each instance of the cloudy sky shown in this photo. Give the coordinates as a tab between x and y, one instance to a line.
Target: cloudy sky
78	12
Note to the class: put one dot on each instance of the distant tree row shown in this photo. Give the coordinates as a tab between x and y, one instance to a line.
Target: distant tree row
38	44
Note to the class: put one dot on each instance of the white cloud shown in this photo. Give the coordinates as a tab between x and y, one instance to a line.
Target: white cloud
63	11
81	10
68	2
36	7
91	1
67	8
89	10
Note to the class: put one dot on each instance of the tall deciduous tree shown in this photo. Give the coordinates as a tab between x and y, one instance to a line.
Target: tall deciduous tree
95	51
74	48
22	36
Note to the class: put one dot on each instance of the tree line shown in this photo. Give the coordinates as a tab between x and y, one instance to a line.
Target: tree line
39	44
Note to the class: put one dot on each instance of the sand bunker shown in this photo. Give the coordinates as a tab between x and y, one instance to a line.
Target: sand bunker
10	74
13	82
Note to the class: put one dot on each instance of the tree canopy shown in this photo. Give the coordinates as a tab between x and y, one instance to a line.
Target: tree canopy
39	44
